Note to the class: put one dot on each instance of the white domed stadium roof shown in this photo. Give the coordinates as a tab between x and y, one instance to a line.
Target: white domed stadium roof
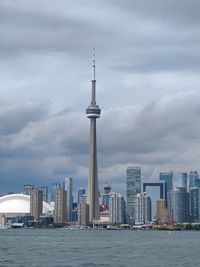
19	204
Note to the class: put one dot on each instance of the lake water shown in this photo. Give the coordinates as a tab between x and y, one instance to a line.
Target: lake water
61	247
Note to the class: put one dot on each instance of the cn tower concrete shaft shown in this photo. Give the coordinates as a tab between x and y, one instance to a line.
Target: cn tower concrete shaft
93	112
93	189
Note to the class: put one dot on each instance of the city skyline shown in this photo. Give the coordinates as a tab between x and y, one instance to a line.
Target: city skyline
148	89
181	204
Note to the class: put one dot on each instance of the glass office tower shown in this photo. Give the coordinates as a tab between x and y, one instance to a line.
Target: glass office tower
133	187
167	177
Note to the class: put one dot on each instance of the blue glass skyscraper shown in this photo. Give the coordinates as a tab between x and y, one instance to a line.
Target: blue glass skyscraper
167	177
194	180
182	179
195	204
178	205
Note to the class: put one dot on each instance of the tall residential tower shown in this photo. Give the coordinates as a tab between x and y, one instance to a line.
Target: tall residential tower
68	186
93	112
36	203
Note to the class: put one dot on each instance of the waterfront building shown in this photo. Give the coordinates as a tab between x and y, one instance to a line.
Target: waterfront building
60	212
195	204
182	180
161	211
194	180
104	207
19	205
83	214
133	187
93	113
27	189
178	205
167	177
36	203
2	221
104	214
54	186
81	192
44	190
142	207
68	186
116	208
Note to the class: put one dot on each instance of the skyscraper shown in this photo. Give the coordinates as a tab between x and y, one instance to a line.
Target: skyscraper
116	208
194	180
83	214
93	112
182	179
68	186
44	190
105	195
195	204
167	177
36	203
133	187
178	205
161	211
81	193
27	189
54	186
142	208
60	213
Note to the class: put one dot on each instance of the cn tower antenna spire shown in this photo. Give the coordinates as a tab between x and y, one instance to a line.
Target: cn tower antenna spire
93	101
93	64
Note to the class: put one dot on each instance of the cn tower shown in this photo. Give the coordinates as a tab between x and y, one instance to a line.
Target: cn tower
93	112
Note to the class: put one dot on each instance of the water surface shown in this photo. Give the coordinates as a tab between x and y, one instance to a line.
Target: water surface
61	247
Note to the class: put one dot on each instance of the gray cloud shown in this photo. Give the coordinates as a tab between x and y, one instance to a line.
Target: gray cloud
37	31
14	118
163	133
135	43
148	83
162	126
181	11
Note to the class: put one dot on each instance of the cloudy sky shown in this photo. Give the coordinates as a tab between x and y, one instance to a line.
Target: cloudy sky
148	86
